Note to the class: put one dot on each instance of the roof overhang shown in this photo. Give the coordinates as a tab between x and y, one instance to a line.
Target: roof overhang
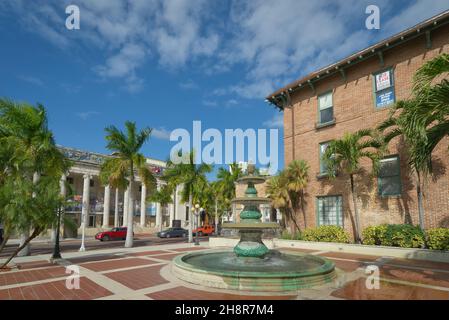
281	98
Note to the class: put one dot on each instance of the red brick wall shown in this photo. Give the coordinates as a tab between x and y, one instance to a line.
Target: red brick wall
354	109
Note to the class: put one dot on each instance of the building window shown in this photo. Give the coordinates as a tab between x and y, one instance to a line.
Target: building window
69	180
323	167
91	182
384	89
325	108
389	179
329	211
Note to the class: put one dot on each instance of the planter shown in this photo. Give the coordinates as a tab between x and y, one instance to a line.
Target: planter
404	253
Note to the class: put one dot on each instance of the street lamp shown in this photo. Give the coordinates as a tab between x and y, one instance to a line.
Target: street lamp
56	249
197	241
83	227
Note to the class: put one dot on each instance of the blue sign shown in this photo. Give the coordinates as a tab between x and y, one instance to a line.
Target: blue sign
151	209
385	98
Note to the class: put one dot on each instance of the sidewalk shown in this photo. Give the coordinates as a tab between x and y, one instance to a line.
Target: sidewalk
144	273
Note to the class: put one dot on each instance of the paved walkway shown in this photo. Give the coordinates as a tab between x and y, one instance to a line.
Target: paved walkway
144	273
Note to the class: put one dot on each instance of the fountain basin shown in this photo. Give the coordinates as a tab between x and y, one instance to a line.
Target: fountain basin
275	272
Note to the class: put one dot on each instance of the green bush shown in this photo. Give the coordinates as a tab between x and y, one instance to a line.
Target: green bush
326	234
394	235
438	239
288	236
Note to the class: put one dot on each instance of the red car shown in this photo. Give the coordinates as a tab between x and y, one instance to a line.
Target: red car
206	230
113	234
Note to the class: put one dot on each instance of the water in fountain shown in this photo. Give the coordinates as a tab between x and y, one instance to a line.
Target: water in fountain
251	265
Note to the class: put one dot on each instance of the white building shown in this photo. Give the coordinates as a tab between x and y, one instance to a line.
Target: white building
107	207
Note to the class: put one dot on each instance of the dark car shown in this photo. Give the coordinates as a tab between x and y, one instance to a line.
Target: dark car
113	234
173	233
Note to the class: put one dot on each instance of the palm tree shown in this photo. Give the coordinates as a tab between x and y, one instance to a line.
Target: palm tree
190	175
277	191
429	115
422	121
227	180
400	124
120	170
345	155
297	178
34	153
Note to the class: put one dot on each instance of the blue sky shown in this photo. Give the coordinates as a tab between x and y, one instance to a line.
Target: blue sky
167	63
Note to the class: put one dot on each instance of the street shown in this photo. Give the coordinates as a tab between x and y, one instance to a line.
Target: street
71	245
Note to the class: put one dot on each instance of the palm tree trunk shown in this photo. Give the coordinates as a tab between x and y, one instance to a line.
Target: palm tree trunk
129	233
35	233
190	217
356	211
420	203
26	250
5	240
303	209
216	217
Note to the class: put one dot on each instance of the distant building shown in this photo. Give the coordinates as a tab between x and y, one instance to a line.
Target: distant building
357	93
83	181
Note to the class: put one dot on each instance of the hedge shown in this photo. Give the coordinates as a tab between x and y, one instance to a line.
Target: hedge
326	234
438	239
394	235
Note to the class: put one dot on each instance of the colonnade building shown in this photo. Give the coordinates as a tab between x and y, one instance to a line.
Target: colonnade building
106	206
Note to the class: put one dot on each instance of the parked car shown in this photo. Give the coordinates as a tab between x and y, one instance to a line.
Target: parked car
206	230
113	234
173	233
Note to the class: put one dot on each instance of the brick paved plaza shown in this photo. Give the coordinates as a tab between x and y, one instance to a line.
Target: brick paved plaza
144	273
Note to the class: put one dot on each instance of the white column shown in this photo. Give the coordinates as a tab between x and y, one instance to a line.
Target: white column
158	213
106	205
171	210
143	205
116	216
125	207
85	209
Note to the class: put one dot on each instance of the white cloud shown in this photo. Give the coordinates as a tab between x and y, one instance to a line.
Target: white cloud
87	114
188	85
161	133
269	43
32	80
210	103
276	122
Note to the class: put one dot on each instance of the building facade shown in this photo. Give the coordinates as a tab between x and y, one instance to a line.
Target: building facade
107	207
358	93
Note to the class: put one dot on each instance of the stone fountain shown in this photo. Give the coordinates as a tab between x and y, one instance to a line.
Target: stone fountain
251	266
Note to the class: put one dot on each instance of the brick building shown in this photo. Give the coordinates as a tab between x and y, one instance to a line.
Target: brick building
355	93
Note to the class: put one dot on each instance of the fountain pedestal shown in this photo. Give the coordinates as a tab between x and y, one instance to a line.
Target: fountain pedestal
251	266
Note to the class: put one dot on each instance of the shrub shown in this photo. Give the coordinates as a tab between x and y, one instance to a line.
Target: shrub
438	239
288	236
326	234
394	235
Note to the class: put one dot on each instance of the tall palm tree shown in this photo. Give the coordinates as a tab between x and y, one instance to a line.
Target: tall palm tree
277	191
345	155
35	152
121	169
429	114
399	124
226	180
422	121
297	178
190	175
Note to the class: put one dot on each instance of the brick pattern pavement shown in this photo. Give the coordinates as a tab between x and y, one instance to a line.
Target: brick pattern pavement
138	275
